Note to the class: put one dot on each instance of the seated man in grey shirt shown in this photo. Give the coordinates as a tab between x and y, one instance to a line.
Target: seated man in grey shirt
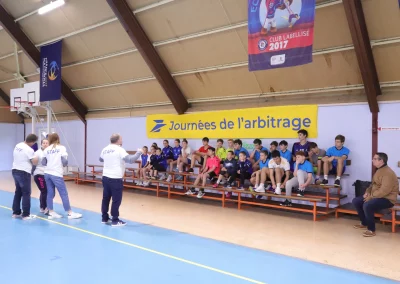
316	155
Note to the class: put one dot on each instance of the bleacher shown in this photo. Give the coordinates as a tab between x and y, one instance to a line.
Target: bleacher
315	196
321	201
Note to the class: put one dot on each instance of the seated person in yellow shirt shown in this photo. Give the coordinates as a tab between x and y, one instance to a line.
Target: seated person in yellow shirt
220	151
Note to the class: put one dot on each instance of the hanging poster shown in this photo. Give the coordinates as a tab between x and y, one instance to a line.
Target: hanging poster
280	33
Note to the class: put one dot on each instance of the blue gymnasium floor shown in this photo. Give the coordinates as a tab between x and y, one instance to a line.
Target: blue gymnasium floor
86	251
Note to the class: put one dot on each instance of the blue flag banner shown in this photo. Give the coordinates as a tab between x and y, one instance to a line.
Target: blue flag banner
50	72
281	33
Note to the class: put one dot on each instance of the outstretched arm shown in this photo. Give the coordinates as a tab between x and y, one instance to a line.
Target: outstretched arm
130	159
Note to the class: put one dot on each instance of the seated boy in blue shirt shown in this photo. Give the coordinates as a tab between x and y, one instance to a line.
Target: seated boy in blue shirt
335	160
303	175
228	172
283	150
159	164
176	152
237	144
255	155
245	168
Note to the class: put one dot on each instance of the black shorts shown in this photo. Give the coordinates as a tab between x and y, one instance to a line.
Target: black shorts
212	175
159	168
201	160
247	175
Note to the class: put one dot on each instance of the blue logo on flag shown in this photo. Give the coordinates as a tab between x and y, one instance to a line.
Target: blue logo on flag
54	71
159	124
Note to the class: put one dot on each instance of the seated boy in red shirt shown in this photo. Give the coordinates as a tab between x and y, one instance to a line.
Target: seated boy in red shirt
200	156
211	170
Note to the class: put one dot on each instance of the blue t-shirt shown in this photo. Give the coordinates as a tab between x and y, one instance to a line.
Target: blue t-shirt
335	152
257	153
237	152
287	155
176	151
167	152
144	159
306	166
263	165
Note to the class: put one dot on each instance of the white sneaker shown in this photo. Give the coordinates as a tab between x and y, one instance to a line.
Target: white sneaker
278	191
200	194
260	189
169	178
42	210
163	177
145	183
54	215
30	217
16	216
74	215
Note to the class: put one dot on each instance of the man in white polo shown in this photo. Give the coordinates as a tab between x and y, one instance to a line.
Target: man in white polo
24	159
114	158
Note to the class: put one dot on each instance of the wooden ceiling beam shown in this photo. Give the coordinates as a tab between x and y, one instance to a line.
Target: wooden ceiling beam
141	41
14	30
362	46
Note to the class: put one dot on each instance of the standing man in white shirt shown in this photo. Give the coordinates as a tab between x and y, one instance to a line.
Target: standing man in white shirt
114	158
22	167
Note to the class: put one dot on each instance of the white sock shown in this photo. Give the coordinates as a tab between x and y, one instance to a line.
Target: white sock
317	177
326	177
338	177
256	185
261	184
278	185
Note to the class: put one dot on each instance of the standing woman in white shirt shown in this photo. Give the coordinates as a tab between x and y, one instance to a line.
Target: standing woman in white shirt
55	157
38	176
21	171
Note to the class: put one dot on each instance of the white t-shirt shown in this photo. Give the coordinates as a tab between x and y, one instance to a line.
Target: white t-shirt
114	165
39	168
23	154
54	164
187	151
283	165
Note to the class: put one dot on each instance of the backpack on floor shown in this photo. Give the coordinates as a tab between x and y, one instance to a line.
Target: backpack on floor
361	187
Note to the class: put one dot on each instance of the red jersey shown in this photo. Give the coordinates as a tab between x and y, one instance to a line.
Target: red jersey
203	149
214	162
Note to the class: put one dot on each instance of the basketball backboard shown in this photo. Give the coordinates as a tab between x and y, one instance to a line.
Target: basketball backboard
29	95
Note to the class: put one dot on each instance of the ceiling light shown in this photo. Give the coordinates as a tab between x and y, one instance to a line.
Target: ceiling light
49	7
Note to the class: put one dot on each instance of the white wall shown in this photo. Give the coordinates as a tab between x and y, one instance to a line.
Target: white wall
72	136
354	122
388	141
11	134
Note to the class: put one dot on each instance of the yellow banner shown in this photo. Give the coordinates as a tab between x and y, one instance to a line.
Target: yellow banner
265	122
